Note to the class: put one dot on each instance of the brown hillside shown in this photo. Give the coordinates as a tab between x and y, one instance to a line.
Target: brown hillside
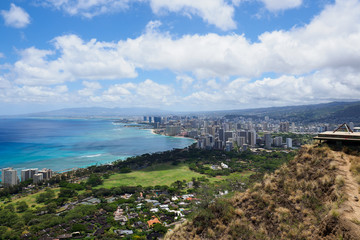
312	197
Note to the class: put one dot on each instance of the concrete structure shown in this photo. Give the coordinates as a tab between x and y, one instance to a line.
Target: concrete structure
38	178
228	146
47	173
172	130
278	141
228	135
240	141
268	140
340	135
289	142
284	127
251	138
28	173
9	177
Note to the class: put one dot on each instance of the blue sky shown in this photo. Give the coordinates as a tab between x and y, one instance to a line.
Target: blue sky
177	55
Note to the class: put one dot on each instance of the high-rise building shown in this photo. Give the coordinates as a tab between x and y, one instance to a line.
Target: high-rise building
289	142
240	141
268	140
157	119
228	134
221	134
38	177
284	127
293	128
228	146
251	138
172	130
9	177
28	173
243	134
47	173
278	141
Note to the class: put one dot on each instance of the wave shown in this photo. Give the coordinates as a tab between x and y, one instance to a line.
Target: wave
91	156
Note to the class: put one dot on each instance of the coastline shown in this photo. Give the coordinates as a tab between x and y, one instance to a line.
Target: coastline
97	142
153	131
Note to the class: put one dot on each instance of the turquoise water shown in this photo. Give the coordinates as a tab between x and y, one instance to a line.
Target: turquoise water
61	144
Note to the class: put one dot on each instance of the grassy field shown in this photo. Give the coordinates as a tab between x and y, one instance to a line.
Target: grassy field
236	175
30	199
163	174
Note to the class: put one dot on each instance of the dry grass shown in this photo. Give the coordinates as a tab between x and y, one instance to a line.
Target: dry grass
288	204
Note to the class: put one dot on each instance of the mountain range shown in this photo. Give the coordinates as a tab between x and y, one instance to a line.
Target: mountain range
333	112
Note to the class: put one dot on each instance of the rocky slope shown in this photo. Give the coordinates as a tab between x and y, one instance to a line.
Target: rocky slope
312	197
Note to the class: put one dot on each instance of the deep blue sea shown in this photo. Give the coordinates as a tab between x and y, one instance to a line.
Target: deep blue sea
61	144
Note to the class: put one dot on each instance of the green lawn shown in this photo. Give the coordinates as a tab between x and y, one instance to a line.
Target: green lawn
30	199
163	174
235	175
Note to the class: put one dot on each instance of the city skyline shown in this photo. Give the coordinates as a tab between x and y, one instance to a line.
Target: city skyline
177	55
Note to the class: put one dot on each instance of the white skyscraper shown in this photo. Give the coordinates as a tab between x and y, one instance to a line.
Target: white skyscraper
9	177
289	142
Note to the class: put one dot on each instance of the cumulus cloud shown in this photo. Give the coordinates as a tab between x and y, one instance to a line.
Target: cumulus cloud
147	93
277	5
216	12
185	80
314	63
89	88
88	8
36	94
76	60
16	17
4	83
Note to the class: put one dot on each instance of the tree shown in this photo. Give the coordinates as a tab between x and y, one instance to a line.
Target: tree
157	227
46	196
67	193
21	206
94	180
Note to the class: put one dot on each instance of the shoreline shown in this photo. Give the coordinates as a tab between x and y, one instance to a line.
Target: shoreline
153	131
80	160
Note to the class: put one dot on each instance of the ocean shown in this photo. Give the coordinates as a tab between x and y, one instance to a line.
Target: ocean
62	144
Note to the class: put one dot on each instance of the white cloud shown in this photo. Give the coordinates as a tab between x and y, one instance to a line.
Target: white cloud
185	80
90	88
317	62
88	8
35	94
146	93
2	55
276	5
4	83
16	17
216	12
213	84
76	59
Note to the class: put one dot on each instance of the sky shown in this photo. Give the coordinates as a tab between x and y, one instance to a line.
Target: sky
180	55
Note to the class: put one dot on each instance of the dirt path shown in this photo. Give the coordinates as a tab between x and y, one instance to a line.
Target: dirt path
350	209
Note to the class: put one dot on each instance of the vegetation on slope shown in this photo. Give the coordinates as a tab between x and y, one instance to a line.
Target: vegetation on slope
301	200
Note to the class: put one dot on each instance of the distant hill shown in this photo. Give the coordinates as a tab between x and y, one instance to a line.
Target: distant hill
334	112
98	112
314	196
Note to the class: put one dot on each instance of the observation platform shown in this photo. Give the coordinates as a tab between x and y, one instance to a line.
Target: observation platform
342	134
